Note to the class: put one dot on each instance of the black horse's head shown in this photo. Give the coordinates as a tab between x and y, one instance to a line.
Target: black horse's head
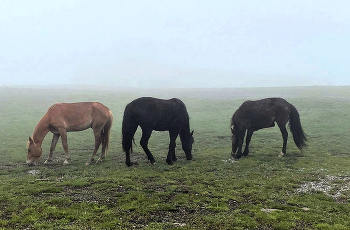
187	143
234	141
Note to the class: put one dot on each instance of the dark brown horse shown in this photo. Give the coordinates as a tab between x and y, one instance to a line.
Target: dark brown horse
69	117
160	115
254	115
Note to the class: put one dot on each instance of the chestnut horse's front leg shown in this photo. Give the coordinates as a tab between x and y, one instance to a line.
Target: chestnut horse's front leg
63	134
54	141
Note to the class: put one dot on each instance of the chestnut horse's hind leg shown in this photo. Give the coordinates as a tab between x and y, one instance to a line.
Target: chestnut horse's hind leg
53	146
97	134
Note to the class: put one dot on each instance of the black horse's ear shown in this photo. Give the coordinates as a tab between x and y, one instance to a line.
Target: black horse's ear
192	132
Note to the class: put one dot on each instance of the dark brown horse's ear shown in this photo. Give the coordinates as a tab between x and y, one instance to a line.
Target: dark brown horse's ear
192	132
31	140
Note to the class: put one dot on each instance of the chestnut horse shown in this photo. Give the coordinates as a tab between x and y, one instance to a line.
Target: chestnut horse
61	118
160	115
254	115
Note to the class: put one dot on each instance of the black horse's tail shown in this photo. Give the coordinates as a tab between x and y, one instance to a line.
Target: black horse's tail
296	129
129	128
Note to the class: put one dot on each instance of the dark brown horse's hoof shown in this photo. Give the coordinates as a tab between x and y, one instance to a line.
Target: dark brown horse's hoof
169	162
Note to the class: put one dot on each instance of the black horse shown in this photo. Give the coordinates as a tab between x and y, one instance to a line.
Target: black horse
160	115
255	115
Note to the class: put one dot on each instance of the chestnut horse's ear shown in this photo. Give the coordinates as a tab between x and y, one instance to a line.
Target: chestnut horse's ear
192	132
31	140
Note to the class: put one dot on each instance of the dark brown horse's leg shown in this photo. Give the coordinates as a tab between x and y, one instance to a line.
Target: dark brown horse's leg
97	134
53	146
171	154
285	138
247	141
146	134
63	134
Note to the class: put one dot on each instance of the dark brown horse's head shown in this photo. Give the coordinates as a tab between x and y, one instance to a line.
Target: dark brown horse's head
187	145
34	152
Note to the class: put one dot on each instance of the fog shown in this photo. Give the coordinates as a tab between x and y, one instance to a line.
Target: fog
180	44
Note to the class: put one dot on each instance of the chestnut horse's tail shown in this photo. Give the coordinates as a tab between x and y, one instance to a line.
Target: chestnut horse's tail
296	129
106	131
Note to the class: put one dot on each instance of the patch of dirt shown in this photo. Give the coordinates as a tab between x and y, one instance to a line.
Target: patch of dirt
333	186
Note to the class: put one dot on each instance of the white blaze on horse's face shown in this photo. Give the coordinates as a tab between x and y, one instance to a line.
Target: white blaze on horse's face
34	152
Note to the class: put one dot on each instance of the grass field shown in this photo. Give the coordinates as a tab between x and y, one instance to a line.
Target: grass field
303	190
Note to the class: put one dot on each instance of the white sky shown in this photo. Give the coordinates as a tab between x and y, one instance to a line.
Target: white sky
157	43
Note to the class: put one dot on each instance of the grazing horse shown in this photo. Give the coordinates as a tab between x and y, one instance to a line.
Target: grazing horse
255	115
61	118
160	115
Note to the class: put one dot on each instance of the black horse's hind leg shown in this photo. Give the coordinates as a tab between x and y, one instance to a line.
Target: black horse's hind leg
146	134
247	141
285	138
171	154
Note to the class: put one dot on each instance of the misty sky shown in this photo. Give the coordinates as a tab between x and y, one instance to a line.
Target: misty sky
157	43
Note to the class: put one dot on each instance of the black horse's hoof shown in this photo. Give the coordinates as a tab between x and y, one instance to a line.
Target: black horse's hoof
237	156
170	162
174	159
129	164
245	153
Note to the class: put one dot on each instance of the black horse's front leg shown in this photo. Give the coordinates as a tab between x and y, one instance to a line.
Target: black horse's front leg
247	141
172	145
240	137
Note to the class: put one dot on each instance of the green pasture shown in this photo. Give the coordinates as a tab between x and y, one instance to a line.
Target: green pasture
303	190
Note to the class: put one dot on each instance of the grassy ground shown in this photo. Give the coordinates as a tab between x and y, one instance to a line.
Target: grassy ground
308	190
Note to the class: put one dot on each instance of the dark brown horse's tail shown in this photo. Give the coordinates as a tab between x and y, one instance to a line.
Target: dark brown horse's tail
128	130
296	129
106	132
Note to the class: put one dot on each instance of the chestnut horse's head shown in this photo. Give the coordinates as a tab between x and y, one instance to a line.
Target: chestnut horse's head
34	152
